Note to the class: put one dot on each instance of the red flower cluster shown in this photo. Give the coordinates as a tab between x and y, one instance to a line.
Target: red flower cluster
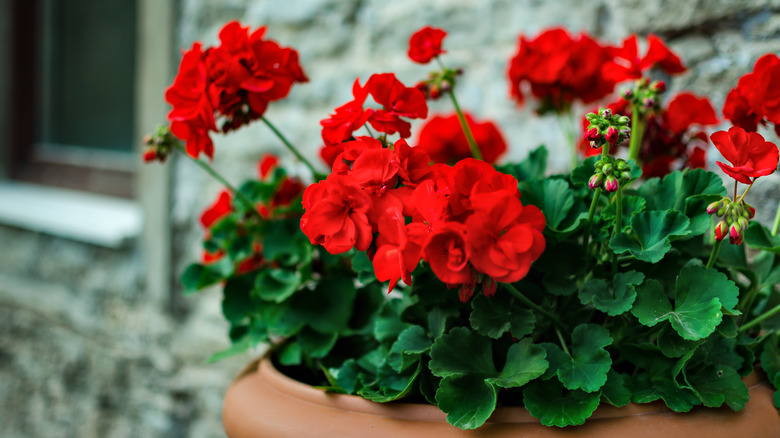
425	44
756	99
289	190
466	221
626	64
234	81
749	154
560	68
670	140
443	138
396	100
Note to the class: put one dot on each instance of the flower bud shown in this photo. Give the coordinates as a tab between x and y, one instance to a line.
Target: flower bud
648	102
735	234
721	230
623	120
595	180
592	117
445	86
607	168
605	112
622	165
611	184
714	207
612	136
742	222
658	86
592	134
150	154
751	211
628	94
599	164
626	175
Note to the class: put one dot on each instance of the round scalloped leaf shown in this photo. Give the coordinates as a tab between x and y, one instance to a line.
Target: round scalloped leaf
555	406
589	362
494	316
462	352
653	232
468	400
524	362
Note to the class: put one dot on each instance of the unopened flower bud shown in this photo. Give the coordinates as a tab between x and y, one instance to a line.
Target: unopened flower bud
612	135
623	120
622	165
150	154
648	102
751	211
607	168
599	164
625	175
606	112
628	94
445	86
592	117
658	86
611	184
592	134
721	230
735	234
714	207
742	222
595	180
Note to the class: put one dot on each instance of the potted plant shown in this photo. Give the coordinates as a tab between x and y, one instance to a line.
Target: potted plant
428	274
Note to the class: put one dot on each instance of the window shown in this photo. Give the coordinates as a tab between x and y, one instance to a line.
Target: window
72	94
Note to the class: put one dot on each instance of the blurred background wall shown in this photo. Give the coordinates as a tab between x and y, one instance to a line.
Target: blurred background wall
95	337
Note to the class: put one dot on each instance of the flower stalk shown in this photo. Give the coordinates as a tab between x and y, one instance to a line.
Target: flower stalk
768	314
316	175
637	132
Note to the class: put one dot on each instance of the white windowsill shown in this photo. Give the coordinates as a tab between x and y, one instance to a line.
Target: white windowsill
96	219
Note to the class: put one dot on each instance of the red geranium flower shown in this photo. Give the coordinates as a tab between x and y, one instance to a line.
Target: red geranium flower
626	63
447	252
397	101
749	154
756	99
425	44
443	139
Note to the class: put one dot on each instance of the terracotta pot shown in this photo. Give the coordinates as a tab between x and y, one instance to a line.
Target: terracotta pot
265	403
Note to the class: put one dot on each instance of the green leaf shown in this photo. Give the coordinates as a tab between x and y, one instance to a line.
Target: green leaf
388	324
654	231
197	276
533	167
701	298
437	320
240	247
239	347
316	345
631	206
717	385
464	360
284	242
255	191
555	406
277	284
391	385
290	354
524	362
589	363
674	346
646	390
582	173
758	236
494	316
237	301
411	343
327	308
552	196
615	391
462	352
617	301
468	400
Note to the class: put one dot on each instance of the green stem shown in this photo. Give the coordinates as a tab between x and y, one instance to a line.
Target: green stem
594	203
714	253
214	174
562	341
618	223
747	303
637	131
776	225
761	317
316	175
533	305
475	152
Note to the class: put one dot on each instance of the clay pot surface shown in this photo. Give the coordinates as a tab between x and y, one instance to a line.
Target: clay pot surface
265	403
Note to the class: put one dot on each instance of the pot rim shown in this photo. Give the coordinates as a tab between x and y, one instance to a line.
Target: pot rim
290	387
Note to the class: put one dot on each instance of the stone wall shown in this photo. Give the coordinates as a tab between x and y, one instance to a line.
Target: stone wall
85	351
